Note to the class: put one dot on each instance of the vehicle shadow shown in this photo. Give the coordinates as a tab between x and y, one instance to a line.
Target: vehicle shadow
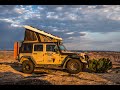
12	78
17	67
33	81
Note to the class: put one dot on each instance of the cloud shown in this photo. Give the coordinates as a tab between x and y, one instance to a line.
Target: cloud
95	41
59	8
70	38
56	30
70	33
51	15
12	22
5	8
84	26
20	10
8	35
83	33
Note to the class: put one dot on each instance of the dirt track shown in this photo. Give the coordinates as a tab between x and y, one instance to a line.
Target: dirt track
11	74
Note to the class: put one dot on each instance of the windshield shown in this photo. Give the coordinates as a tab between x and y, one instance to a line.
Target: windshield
62	48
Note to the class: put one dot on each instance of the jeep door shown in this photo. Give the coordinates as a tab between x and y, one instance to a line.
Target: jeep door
51	56
38	53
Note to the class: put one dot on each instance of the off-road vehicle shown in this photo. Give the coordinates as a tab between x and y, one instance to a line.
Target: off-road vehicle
41	49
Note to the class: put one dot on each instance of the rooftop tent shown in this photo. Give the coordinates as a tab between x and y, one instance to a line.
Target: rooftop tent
30	35
35	35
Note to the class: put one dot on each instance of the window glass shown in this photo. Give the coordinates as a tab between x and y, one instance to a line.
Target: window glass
50	48
38	48
26	48
62	47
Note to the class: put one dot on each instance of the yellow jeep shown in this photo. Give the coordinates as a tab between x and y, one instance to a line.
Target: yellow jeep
41	49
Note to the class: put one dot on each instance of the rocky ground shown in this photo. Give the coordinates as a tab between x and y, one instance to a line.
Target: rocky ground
11	74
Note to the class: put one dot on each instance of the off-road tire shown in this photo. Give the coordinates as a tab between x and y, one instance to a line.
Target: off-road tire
27	67
74	66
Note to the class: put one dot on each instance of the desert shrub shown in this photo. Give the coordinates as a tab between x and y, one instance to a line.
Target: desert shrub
92	65
99	65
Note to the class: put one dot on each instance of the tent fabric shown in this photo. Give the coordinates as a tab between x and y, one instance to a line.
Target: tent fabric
30	36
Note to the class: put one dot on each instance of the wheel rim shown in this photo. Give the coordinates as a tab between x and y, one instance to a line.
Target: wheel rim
74	66
27	67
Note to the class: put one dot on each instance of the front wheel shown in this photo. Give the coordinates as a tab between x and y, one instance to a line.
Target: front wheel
27	67
74	66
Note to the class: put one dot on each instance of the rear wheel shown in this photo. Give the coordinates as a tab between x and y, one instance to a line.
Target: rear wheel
27	67
74	66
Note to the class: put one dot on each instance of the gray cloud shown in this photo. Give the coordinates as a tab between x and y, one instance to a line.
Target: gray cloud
6	7
83	33
8	35
60	20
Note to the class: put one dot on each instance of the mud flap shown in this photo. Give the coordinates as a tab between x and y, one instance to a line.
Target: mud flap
16	50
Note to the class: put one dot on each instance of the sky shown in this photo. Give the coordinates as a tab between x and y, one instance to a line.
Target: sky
82	27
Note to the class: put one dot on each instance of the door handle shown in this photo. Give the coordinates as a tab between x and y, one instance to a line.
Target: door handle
34	53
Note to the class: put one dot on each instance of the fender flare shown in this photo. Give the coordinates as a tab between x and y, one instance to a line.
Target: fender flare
23	58
69	57
65	62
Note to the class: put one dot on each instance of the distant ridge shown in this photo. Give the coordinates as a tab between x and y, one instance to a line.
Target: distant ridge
93	51
80	50
6	50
